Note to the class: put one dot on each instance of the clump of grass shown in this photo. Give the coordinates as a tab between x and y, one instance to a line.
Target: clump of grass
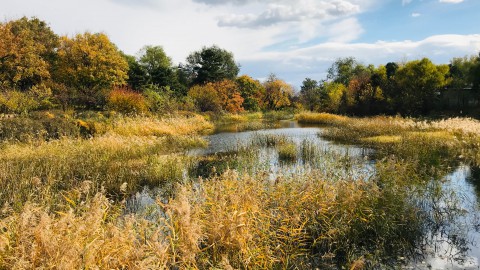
278	115
268	140
149	126
320	118
38	172
433	143
301	221
287	151
42	127
382	139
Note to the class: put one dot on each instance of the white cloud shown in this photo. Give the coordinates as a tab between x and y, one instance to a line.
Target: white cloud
416	15
313	61
345	31
285	12
451	1
406	2
293	46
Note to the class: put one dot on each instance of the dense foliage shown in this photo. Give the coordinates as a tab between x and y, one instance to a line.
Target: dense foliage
41	70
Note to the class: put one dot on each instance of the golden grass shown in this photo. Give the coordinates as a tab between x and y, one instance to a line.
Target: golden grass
382	139
320	118
148	126
39	171
432	142
232	221
287	151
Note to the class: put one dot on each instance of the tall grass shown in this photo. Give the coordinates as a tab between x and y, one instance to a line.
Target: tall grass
230	221
133	154
433	142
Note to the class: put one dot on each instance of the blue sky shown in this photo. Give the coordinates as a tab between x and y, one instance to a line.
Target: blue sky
294	39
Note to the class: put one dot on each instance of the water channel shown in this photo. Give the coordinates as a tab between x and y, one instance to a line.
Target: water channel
453	237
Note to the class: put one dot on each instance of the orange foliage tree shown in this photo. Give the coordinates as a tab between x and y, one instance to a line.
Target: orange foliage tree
90	65
217	96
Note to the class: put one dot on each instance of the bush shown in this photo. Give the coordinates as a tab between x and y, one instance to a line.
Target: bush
205	98
17	102
160	100
43	126
126	101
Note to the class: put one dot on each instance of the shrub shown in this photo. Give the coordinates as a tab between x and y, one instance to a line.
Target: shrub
160	100
43	126
17	102
126	101
205	98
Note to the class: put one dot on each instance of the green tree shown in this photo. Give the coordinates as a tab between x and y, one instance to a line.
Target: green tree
344	69
252	91
211	64
418	82
310	94
153	67
137	75
475	74
464	72
89	65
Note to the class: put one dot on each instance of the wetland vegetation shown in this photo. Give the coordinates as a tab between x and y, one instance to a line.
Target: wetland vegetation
291	197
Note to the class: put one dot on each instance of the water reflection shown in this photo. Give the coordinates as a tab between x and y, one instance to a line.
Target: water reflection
448	204
452	223
253	151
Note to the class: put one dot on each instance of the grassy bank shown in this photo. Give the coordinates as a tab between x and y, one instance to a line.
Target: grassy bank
131	151
431	142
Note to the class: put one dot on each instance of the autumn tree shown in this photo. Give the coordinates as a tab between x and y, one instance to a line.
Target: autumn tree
366	96
27	50
89	65
230	96
217	96
334	97
211	64
205	97
277	93
252	91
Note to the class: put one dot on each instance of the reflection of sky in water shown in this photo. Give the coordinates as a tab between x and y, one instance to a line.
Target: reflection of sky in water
456	243
268	159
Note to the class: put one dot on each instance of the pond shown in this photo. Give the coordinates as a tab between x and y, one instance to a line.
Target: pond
451	239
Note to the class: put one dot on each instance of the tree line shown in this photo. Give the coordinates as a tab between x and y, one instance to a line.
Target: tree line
41	70
409	88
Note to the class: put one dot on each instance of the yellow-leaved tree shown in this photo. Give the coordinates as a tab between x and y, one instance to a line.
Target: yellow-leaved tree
277	93
89	66
27	51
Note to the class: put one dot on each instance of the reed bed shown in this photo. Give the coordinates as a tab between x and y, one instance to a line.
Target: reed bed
39	171
229	221
433	142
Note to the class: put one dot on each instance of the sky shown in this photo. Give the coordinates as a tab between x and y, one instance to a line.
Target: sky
294	39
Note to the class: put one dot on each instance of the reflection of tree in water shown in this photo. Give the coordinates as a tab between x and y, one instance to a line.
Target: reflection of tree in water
474	179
